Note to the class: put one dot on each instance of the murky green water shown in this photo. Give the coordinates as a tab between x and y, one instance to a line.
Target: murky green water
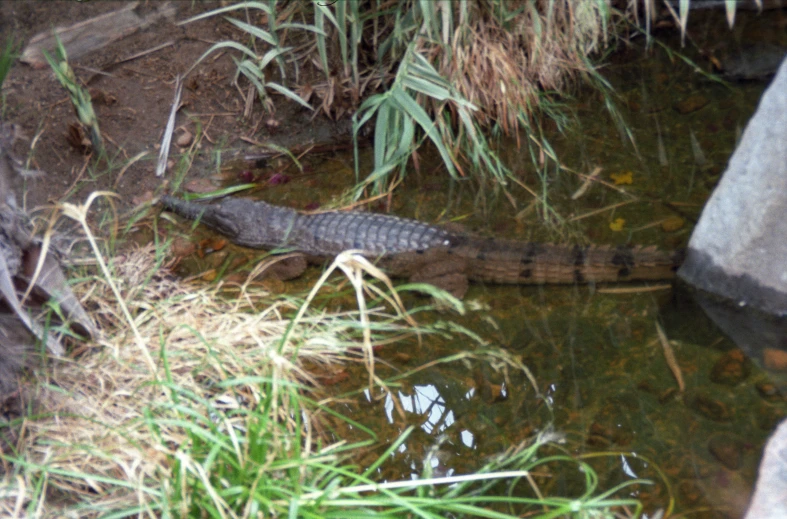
602	378
596	357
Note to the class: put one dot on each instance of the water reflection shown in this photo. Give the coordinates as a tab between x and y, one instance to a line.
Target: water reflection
603	381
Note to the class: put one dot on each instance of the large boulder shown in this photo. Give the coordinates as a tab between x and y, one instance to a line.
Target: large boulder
738	251
770	492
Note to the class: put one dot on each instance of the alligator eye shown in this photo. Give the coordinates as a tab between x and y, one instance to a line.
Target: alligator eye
226	225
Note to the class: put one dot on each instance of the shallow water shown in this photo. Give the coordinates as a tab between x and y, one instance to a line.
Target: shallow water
602	378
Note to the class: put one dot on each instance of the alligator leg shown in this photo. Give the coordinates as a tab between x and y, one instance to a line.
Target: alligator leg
287	268
455	283
441	270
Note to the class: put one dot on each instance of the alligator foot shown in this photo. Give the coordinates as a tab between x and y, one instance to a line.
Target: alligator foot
287	267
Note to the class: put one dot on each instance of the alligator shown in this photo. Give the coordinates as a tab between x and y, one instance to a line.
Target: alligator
423	252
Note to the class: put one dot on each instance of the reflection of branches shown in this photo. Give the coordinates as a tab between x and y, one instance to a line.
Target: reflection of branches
421	396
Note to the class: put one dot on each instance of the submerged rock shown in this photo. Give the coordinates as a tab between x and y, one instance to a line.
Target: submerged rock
731	369
756	61
727	449
735	257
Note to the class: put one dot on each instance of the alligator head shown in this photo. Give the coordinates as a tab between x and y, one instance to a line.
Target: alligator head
245	222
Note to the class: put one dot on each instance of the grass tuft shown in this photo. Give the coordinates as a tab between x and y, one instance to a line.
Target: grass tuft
194	402
80	97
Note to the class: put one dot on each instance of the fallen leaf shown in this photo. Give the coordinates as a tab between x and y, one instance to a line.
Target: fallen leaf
625	177
246	176
200	185
215	244
617	224
278	179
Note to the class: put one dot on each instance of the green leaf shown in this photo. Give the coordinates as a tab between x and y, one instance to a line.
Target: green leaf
218	193
425	87
242	5
302	26
219	46
381	134
730	8
289	94
319	23
255	31
408	105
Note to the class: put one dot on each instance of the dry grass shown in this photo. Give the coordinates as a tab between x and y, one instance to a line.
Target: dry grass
193	403
500	55
106	424
504	67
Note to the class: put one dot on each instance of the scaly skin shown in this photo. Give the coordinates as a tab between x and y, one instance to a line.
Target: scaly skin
423	252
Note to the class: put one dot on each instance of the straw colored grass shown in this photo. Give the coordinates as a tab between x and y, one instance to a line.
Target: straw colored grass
101	420
193	403
502	67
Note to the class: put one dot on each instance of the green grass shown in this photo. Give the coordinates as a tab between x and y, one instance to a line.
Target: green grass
195	403
7	57
80	97
441	74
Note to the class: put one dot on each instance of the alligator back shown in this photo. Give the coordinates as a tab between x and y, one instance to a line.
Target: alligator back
377	235
261	225
507	261
421	251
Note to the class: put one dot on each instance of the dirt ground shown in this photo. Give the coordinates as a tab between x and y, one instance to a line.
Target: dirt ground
132	100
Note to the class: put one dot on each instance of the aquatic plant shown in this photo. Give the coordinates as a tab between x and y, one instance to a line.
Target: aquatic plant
440	72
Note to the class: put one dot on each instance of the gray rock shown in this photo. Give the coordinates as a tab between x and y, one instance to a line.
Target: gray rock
755	61
739	247
770	492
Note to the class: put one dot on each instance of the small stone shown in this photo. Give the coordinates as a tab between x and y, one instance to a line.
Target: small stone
769	391
727	449
185	139
708	407
672	224
731	369
610	427
182	247
768	417
668	395
278	179
774	360
272	124
690	104
237	278
690	492
145	197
